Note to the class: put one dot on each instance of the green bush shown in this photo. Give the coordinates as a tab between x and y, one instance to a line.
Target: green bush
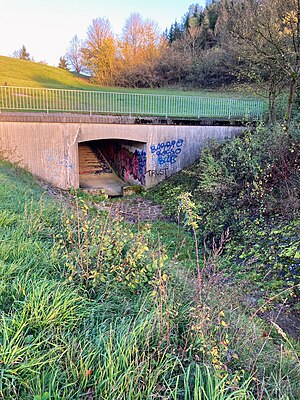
100	251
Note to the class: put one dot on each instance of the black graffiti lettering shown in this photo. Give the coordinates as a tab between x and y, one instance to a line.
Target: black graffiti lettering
157	172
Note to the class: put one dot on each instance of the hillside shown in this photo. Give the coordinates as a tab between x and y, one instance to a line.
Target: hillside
15	72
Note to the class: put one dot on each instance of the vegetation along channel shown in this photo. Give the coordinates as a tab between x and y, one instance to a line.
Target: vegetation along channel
186	289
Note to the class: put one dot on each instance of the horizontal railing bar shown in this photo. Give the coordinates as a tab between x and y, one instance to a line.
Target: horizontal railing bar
135	94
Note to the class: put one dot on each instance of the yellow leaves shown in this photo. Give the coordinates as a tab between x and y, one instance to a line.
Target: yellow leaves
290	18
100	50
287	25
215	351
141	41
85	228
225	343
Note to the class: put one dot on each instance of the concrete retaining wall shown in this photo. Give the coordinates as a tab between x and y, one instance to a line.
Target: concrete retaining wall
49	150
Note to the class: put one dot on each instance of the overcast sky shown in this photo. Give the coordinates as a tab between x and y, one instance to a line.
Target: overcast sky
46	27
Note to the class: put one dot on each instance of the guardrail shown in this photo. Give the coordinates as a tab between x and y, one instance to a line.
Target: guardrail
114	103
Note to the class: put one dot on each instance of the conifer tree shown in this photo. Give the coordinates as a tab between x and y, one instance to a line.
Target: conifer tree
62	63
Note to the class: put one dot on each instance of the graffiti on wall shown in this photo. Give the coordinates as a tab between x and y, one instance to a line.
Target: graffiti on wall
128	161
157	172
53	163
133	164
166	152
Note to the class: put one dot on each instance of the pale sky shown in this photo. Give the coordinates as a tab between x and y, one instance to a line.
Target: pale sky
46	27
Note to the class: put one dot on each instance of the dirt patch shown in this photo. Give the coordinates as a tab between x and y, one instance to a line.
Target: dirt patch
283	315
135	210
286	318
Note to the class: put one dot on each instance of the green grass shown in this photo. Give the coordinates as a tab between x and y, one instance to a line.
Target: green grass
22	73
67	333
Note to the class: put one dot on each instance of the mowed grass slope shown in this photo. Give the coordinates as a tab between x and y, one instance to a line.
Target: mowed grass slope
22	73
27	74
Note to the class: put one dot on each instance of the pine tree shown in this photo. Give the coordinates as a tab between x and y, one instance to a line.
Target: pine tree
22	54
63	63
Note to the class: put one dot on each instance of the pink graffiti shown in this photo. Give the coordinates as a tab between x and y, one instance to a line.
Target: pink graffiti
130	165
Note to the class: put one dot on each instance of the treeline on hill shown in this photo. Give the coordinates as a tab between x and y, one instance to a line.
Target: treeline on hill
188	53
222	43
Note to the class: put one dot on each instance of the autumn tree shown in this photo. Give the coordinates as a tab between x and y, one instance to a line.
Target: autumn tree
99	51
267	34
192	23
170	69
74	56
140	46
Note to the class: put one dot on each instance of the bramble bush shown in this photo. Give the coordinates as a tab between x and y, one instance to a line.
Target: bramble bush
280	264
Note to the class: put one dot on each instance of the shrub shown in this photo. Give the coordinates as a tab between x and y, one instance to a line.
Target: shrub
101	251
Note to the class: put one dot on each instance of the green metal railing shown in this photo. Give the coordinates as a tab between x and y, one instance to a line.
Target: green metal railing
114	103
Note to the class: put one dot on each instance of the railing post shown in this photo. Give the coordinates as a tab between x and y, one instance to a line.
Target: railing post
130	96
167	98
90	103
47	105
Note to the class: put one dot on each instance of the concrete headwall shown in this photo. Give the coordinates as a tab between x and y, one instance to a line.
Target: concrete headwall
49	150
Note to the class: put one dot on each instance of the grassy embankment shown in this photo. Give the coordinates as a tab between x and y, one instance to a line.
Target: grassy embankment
13	72
94	308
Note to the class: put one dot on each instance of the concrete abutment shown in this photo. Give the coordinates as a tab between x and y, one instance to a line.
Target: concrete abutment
141	154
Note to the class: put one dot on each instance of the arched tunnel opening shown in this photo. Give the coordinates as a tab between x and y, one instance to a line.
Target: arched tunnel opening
111	164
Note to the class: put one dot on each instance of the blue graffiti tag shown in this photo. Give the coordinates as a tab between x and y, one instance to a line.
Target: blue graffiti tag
167	152
141	156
